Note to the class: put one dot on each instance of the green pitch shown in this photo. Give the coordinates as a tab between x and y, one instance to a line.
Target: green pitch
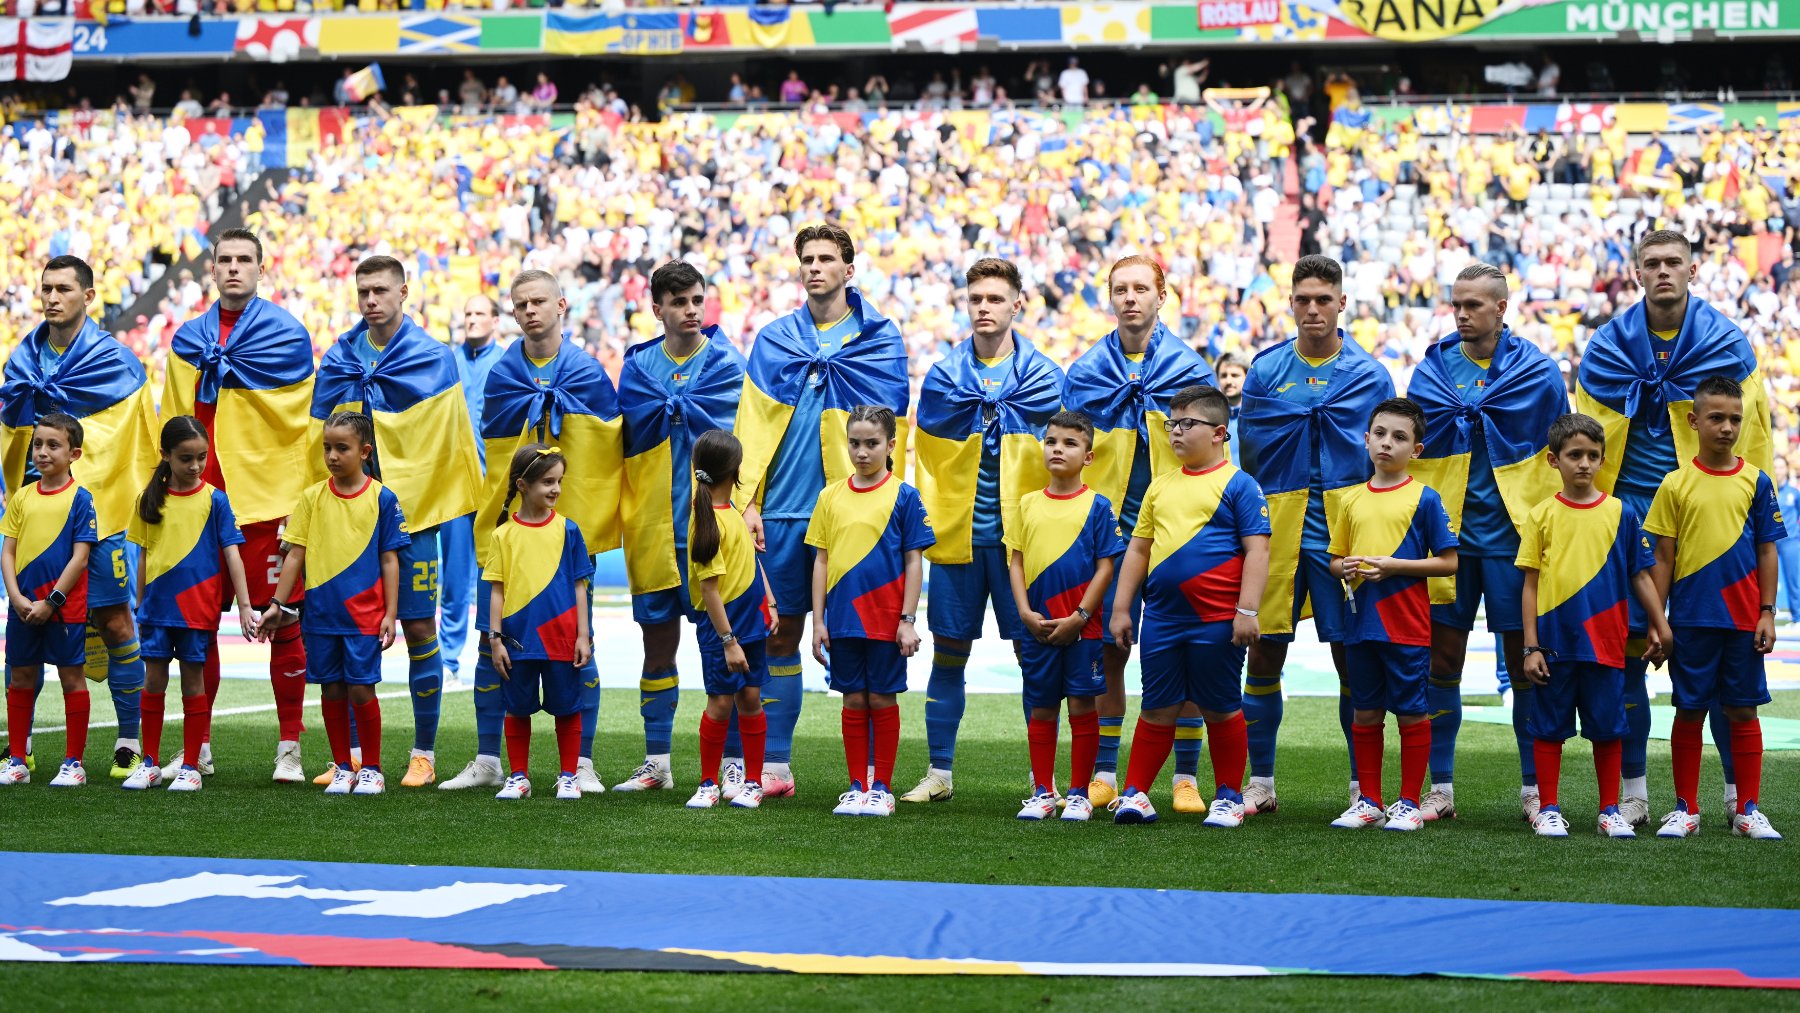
1486	853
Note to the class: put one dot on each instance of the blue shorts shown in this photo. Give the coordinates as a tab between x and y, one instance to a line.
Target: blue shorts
354	658
1312	578
109	575
53	643
653	608
1106	612
1053	674
176	643
1389	677
535	684
960	593
789	564
1191	663
1596	691
1716	666
722	681
419	576
1494	578
859	665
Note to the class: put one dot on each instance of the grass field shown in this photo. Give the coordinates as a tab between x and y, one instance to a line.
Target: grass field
1487	853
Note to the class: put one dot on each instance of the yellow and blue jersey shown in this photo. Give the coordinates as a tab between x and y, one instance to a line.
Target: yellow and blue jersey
1405	521
46	525
1293	377
676	376
1196	522
1486	528
866	534
539	565
1652	440
1060	540
1717	519
797	471
183	560
740	581
344	537
985	528
1585	555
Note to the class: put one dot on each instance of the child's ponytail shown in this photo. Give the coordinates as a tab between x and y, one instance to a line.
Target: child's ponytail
175	432
529	463
717	456
883	417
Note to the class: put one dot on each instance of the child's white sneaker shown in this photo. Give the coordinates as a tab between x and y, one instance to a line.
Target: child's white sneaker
705	797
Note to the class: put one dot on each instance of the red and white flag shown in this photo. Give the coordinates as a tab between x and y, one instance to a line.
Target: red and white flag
933	27
36	49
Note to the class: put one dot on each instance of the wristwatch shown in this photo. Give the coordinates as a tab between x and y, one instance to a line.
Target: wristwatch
728	639
496	635
1083	613
57	599
1534	649
1770	609
912	619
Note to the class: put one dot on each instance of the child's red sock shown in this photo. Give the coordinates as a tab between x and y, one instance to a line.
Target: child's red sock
75	713
1608	758
1747	759
1084	747
855	724
1040	734
885	722
712	746
753	732
1150	745
20	702
1228	743
1415	752
1548	757
518	743
1368	742
1684	754
368	727
210	679
150	711
196	715
287	676
568	741
336	713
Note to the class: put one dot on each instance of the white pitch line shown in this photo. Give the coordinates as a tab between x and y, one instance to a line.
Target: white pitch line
175	718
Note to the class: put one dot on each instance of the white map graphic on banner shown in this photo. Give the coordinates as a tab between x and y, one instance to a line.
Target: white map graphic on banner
435	902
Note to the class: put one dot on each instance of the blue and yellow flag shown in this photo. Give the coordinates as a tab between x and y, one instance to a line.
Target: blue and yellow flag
959	422
1128	400
1522	395
1279	438
869	370
660	429
260	387
1626	374
100	383
424	442
578	412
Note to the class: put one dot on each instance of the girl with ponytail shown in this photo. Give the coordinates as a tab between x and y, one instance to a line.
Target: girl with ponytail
734	608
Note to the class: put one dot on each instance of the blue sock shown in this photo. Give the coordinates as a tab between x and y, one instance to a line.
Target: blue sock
944	703
658	693
425	677
1524	698
1106	761
1443	695
1345	715
1634	754
1190	733
355	739
125	678
1721	736
781	701
734	742
589	675
1262	721
490	710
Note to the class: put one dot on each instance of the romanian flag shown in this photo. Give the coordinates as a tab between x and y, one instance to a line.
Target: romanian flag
258	391
424	441
1524	393
1129	401
99	381
959	423
1279	438
660	430
869	370
365	83
578	412
1615	383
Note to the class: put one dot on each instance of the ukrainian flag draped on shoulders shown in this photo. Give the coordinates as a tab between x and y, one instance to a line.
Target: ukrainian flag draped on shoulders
869	370
655	480
1523	394
1278	439
104	386
260	386
424	441
1623	377
1127	400
579	414
959	423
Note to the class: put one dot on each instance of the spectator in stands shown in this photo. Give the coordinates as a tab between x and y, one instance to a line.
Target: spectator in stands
471	94
504	99
793	90
143	94
543	97
1073	83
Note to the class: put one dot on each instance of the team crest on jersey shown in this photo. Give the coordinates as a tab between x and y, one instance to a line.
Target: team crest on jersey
682	377
1662	356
